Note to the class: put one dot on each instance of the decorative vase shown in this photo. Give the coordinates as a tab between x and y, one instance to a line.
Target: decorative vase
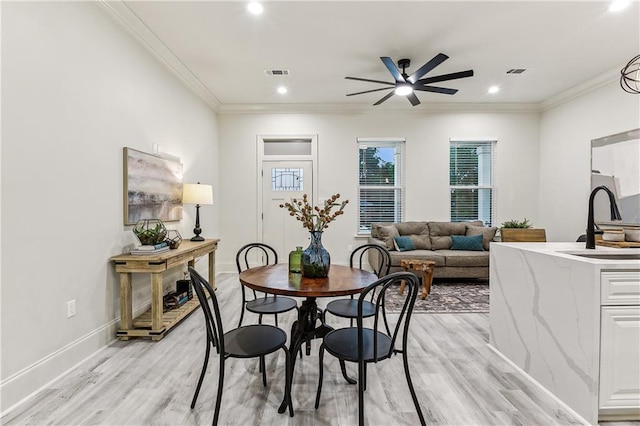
295	259
315	258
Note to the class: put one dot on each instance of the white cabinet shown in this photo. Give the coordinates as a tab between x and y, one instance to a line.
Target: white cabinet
619	392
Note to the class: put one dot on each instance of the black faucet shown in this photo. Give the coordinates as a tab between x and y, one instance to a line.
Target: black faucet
615	214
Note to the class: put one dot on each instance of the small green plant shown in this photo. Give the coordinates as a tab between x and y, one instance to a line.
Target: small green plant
517	223
150	231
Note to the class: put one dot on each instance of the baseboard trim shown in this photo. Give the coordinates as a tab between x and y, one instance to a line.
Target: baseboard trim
538	385
17	389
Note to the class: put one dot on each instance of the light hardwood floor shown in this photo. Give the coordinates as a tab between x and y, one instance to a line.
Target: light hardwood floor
458	378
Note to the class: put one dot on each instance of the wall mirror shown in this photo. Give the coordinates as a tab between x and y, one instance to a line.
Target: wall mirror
615	163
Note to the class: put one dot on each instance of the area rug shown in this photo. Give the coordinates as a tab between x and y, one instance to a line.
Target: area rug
446	298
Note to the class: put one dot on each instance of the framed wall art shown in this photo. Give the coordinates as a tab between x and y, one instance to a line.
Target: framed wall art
152	187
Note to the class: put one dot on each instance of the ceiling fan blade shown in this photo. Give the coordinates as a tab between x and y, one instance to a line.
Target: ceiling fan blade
368	91
413	99
370	81
445	77
387	96
392	68
434	89
434	62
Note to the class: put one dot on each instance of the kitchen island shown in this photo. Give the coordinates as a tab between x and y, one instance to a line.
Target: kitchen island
571	321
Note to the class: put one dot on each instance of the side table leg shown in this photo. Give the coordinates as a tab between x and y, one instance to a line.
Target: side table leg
212	269
425	285
156	302
427	279
126	309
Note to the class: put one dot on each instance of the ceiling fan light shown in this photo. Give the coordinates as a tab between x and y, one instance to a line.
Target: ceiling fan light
255	8
403	90
618	5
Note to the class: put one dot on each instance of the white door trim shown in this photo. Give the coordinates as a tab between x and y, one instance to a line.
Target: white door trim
313	157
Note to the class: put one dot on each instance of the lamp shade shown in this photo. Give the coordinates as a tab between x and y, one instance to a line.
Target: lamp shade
196	193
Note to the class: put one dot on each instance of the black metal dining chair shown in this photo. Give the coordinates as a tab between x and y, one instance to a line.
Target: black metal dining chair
370	345
251	341
267	304
348	308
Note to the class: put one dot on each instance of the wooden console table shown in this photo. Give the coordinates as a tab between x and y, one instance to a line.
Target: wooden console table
154	323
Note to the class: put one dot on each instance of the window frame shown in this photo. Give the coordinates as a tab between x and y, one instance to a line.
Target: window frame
398	144
492	143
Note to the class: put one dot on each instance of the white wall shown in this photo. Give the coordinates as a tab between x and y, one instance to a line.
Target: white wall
76	89
427	163
566	132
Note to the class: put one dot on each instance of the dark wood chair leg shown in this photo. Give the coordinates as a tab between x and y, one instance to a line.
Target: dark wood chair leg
320	373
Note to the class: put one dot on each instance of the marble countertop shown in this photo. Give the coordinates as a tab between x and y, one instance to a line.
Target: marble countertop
573	250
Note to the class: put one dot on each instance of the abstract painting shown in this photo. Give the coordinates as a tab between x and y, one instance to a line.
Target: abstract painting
152	187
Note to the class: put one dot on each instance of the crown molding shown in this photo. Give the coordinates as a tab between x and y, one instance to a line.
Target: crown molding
581	89
130	21
358	108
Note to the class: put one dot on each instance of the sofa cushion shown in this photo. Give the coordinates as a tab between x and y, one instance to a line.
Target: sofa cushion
385	233
487	234
418	232
403	243
421	242
375	227
463	242
437	257
457	258
412	228
441	232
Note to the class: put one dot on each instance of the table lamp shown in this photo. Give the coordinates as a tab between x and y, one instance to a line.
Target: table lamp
195	193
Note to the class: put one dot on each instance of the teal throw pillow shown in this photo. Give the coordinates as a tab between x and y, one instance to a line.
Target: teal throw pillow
472	243
404	243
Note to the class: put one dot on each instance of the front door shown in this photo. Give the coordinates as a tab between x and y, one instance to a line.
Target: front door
282	181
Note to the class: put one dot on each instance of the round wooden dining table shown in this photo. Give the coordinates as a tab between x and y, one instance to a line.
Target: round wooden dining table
276	279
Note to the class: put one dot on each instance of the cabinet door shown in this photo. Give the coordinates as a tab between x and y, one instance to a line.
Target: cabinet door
620	360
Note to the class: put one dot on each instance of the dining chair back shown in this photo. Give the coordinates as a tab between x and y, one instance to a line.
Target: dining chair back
246	258
366	252
347	308
252	341
373	344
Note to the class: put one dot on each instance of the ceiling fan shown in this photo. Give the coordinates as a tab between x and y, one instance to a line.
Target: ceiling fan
406	85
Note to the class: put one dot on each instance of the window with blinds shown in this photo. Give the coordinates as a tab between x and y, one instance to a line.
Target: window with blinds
380	182
471	165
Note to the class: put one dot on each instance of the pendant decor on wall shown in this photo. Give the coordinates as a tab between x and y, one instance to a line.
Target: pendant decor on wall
630	76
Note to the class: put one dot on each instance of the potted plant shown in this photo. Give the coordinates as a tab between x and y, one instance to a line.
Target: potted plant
521	231
150	231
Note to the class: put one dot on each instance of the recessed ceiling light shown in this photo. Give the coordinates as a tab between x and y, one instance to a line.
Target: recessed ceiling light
282	90
255	8
493	89
618	5
403	90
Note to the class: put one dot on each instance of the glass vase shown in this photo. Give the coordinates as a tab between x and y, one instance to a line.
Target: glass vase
295	260
315	258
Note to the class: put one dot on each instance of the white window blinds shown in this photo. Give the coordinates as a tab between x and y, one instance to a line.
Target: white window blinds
380	182
471	180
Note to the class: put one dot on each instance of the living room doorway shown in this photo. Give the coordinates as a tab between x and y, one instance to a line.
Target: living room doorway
288	170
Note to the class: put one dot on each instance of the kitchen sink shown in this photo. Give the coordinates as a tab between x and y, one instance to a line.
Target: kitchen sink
609	256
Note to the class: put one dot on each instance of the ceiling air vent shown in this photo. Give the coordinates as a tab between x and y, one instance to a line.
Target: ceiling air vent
516	71
276	72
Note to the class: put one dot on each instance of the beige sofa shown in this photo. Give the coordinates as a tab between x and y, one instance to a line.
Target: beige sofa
432	241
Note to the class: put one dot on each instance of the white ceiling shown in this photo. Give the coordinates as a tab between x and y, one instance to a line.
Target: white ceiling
225	50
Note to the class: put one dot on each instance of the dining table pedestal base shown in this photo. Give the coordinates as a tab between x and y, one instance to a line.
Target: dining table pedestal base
303	330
